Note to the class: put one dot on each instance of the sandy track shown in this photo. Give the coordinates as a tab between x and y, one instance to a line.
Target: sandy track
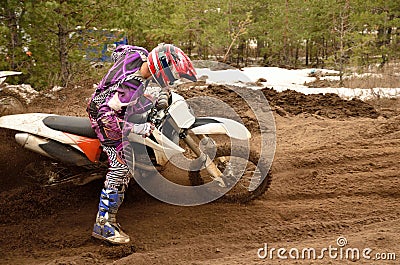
332	177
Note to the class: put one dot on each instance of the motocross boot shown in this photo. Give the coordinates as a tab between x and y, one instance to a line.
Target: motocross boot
106	227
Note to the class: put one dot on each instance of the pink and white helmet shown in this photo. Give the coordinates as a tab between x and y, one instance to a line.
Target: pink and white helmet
168	63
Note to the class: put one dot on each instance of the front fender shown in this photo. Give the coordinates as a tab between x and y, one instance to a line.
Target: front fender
217	125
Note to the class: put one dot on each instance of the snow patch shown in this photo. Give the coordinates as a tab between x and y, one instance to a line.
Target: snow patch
282	79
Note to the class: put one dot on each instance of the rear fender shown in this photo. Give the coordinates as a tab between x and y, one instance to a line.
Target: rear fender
32	123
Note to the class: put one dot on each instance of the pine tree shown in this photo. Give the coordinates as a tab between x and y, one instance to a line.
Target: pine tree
55	43
12	44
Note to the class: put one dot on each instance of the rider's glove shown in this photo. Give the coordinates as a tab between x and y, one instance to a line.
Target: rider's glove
143	129
163	98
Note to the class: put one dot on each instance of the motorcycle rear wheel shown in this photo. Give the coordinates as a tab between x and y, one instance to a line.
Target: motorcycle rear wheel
11	103
47	173
244	185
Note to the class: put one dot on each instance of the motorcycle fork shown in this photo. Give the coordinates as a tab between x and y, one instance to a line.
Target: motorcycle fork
211	167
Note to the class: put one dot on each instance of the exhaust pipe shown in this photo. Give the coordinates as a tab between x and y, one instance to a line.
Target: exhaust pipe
53	149
32	143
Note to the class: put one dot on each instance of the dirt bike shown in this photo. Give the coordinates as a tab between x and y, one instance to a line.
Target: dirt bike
76	157
10	102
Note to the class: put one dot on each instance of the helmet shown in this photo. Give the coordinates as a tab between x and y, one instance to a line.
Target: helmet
168	63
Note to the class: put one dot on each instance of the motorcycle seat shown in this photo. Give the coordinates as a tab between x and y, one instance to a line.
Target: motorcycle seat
75	125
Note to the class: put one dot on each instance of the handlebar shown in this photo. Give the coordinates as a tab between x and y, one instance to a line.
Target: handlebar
156	116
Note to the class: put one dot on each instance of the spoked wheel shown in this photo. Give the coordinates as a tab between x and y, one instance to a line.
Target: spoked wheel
49	173
11	103
245	176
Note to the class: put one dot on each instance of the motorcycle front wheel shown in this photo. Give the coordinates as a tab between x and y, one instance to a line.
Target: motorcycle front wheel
246	180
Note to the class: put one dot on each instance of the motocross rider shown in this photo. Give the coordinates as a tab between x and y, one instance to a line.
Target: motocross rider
123	86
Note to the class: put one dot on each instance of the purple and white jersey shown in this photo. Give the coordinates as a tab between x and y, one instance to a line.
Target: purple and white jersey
123	85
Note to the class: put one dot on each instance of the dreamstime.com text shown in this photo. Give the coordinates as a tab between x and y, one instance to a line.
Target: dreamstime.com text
340	251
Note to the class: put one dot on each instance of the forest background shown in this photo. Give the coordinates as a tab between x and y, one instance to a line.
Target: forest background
49	41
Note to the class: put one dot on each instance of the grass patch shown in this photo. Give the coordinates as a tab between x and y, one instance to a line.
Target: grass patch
374	77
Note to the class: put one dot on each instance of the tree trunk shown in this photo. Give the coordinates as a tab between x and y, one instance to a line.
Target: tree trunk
307	51
189	49
15	43
285	34
63	54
